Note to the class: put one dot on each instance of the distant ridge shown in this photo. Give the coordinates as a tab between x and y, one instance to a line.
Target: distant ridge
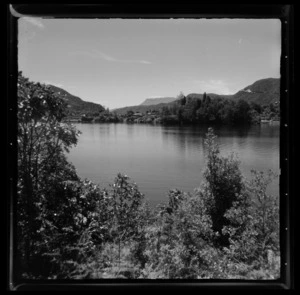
154	101
263	92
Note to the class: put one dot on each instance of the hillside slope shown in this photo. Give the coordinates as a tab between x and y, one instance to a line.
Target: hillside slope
75	104
155	101
264	91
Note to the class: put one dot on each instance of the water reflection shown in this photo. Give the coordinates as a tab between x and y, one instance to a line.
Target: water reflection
235	138
186	140
159	158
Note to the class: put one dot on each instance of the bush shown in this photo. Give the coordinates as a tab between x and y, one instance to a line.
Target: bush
254	230
224	184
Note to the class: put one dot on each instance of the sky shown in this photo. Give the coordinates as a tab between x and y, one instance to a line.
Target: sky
122	62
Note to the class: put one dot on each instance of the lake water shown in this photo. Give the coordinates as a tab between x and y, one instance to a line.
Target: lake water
159	158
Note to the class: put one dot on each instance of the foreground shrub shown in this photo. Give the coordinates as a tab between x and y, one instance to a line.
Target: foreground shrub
176	242
254	229
223	185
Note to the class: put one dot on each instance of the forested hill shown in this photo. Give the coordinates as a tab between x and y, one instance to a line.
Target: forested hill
262	92
76	105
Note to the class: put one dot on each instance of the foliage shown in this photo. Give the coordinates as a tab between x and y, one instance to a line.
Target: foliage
218	110
255	234
69	228
42	141
224	184
107	117
125	200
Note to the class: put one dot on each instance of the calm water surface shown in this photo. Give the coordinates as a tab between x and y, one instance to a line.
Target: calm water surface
159	158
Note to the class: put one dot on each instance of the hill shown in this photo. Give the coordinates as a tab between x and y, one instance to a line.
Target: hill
76	106
264	91
155	101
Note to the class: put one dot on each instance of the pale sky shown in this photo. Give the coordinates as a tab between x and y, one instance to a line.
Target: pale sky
121	62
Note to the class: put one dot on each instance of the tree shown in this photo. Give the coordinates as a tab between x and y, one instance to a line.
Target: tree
42	141
165	111
224	184
180	114
266	210
129	113
257	107
254	226
181	97
126	202
242	112
208	100
198	104
204	97
192	109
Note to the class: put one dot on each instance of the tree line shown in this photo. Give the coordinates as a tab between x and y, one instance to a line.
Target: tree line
192	110
217	111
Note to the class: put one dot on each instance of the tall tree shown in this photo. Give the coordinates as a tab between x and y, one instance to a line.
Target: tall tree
224	185
242	112
42	141
204	97
181	97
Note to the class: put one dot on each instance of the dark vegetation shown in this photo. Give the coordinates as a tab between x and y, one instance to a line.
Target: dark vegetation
198	109
263	92
68	228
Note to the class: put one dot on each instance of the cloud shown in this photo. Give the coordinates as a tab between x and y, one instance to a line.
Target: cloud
240	41
34	21
213	86
101	55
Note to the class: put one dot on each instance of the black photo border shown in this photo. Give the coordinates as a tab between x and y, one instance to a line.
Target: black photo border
151	10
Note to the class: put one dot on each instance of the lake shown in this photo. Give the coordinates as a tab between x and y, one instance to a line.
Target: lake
159	158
